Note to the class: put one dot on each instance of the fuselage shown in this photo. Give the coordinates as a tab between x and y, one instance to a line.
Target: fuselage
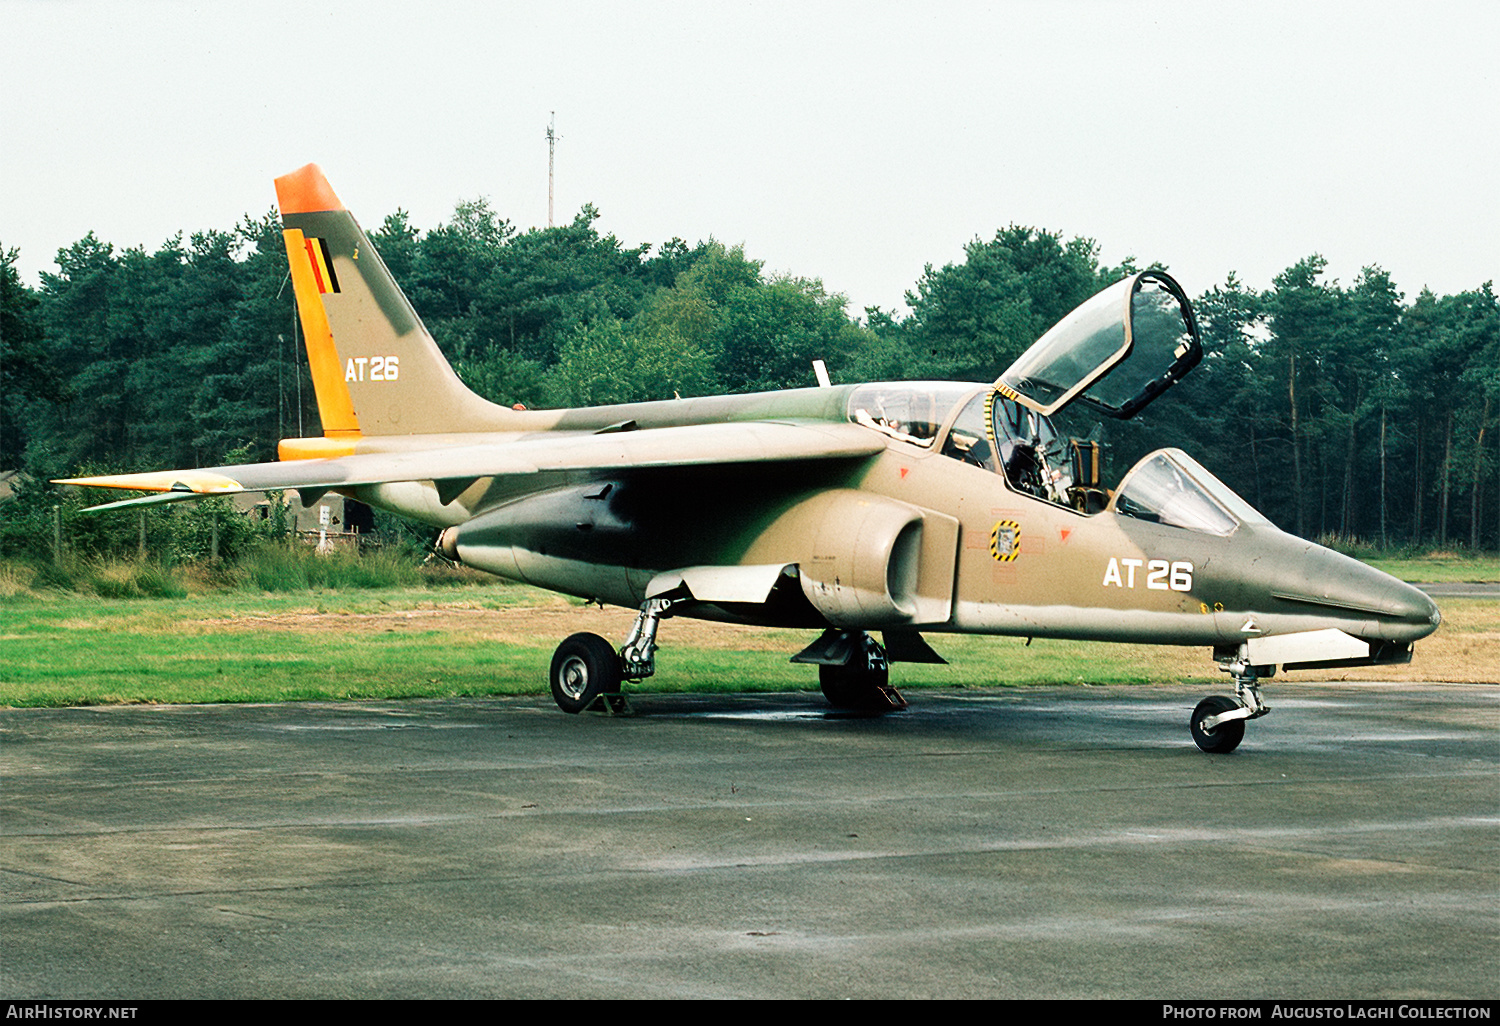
959	547
899	507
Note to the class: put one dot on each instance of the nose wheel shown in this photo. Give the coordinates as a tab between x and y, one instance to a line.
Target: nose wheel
1226	735
1218	722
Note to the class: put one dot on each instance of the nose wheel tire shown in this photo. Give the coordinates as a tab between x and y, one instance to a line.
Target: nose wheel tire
1222	739
584	667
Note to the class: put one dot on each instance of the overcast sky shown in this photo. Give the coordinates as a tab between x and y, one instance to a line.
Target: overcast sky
854	142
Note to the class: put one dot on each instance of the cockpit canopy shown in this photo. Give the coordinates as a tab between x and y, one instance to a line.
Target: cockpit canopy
1117	352
996	433
913	411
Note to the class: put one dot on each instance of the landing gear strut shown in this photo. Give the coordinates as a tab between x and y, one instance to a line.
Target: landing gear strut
1218	722
587	670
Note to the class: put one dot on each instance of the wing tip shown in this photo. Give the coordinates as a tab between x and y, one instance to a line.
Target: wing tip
195	482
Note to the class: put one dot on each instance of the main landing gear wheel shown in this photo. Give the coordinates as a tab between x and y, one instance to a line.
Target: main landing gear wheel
584	667
1223	738
863	684
856	688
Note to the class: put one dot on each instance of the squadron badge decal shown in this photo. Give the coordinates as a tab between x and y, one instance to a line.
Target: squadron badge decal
1005	540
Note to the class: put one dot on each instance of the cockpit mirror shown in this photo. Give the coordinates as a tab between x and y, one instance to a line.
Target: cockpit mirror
1117	352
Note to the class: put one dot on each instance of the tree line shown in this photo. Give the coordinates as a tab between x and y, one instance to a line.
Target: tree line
1341	411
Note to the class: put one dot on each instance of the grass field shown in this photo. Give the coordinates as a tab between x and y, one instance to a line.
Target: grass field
62	648
1440	568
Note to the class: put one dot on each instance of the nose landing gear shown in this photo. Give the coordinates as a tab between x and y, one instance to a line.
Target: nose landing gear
1218	722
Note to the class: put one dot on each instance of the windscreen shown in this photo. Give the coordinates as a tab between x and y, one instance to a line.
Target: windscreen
1170	487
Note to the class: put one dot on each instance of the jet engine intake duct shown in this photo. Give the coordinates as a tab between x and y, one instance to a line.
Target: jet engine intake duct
865	558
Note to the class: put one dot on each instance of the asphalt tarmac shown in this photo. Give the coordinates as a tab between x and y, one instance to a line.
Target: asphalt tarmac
1471	589
1047	842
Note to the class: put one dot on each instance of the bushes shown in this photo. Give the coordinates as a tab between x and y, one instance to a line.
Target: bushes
300	568
107	578
48	543
140	579
258	565
264	567
41	515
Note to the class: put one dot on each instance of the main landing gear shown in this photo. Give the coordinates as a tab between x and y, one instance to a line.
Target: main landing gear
587	671
1218	722
853	671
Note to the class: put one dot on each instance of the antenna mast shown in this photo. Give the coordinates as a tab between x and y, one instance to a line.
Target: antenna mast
551	147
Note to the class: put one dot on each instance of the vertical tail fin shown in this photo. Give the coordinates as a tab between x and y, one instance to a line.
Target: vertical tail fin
375	368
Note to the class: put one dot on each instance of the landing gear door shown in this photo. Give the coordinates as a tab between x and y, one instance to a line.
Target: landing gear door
1117	352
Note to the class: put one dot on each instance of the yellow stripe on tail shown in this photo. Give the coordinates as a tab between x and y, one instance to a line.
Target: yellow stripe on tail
335	406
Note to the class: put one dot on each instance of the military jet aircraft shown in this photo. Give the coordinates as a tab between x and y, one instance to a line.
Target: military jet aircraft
904	508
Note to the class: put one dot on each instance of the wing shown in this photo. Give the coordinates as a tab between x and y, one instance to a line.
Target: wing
454	468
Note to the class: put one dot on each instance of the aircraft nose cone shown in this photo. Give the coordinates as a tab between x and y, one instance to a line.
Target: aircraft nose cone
1390	608
1405	612
1412	605
1403	608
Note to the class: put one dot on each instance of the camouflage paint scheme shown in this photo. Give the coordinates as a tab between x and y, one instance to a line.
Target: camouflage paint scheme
791	508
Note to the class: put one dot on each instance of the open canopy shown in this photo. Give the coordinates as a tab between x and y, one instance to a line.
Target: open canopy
1118	351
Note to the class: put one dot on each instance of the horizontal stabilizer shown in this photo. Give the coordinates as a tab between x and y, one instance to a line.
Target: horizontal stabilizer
342	472
188	482
146	500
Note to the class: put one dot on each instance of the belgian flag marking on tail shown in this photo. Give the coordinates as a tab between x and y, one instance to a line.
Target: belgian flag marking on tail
322	265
